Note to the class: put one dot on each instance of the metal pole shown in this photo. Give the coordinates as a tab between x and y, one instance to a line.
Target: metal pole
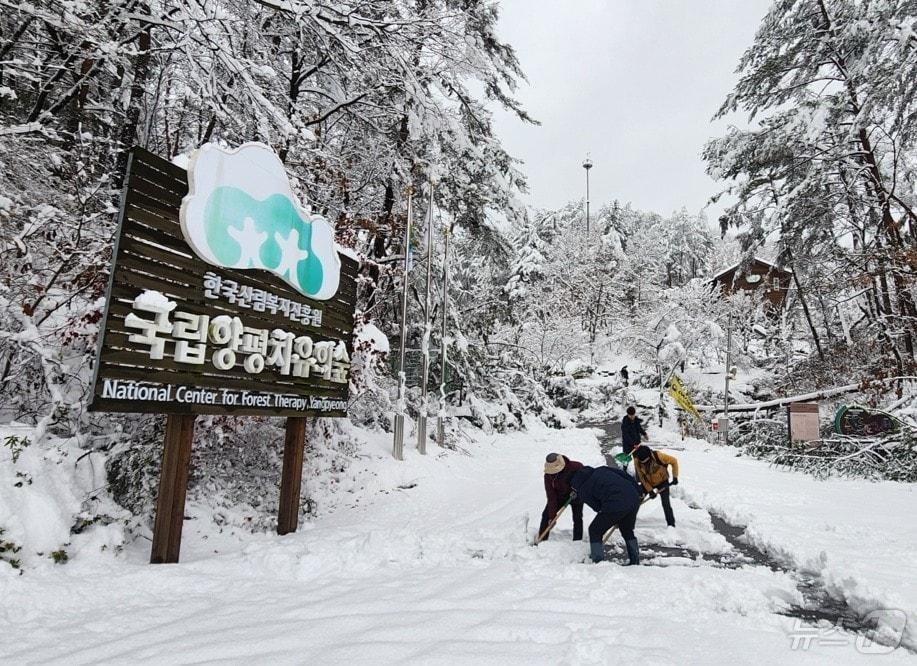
587	201
425	344
728	372
398	448
587	164
440	420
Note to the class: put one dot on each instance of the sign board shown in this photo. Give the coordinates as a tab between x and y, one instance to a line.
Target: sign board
803	422
413	370
857	421
226	296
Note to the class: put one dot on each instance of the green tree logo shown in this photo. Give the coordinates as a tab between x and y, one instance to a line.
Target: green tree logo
241	213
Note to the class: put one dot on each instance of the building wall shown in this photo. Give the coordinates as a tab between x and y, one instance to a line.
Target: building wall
775	282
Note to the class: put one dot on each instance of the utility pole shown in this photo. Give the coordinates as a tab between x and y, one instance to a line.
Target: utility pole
587	164
440	425
728	375
398	446
425	344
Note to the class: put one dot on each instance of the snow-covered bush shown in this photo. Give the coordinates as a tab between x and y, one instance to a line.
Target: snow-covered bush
578	368
892	457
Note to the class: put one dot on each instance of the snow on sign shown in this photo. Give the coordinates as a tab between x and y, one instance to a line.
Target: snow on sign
226	296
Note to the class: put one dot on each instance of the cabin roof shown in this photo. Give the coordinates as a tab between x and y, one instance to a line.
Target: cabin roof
754	260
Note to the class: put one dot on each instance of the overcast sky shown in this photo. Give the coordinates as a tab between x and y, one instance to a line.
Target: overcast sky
632	82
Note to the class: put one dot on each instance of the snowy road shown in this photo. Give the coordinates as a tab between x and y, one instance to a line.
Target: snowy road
440	572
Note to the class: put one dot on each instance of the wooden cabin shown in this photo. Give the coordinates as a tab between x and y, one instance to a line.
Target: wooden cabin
758	275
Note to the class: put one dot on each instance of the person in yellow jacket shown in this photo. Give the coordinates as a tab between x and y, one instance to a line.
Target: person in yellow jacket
652	471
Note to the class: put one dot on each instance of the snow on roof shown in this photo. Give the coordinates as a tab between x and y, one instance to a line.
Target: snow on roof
763	261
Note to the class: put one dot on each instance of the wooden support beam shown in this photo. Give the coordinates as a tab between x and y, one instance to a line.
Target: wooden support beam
173	483
291	476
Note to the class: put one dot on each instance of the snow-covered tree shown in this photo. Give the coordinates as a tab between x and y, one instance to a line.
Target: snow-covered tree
828	169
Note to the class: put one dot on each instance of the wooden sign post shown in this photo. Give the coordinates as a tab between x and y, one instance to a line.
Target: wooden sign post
225	297
291	475
173	483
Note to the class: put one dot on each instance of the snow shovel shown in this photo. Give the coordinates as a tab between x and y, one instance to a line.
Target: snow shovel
553	522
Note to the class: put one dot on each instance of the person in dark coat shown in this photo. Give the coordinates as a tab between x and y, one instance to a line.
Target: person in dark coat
558	470
625	375
615	497
632	430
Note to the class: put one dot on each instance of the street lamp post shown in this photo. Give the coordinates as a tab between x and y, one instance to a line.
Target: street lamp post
425	367
727	378
398	448
440	425
587	164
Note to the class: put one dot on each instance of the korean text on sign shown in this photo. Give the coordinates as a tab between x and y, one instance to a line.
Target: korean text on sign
232	342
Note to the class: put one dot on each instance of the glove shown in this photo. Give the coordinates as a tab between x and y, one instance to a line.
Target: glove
674	481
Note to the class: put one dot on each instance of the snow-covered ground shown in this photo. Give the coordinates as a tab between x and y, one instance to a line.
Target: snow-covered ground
857	536
432	564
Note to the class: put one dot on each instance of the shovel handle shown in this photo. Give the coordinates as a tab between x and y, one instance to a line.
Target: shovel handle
614	527
553	522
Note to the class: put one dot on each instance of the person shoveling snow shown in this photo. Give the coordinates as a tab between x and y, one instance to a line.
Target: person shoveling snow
652	471
615	497
632	433
558	470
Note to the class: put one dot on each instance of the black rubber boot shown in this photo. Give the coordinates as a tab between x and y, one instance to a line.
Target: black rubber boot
633	552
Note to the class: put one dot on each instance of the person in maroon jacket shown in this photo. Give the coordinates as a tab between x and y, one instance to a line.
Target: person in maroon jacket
557	472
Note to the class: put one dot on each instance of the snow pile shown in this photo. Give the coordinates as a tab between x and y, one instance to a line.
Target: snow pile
155	301
577	367
52	502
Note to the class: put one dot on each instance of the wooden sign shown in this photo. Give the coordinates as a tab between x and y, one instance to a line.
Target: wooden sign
803	422
225	297
185	335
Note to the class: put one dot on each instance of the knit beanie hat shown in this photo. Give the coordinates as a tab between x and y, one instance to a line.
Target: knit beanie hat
554	463
642	453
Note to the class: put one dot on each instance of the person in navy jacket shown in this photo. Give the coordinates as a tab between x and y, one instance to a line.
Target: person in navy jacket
615	497
632	430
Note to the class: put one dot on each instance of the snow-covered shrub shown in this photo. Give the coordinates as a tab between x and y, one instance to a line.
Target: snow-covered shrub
133	463
578	368
761	438
565	392
892	457
372	387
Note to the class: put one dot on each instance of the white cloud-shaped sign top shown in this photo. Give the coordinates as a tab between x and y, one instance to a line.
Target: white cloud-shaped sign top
241	213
